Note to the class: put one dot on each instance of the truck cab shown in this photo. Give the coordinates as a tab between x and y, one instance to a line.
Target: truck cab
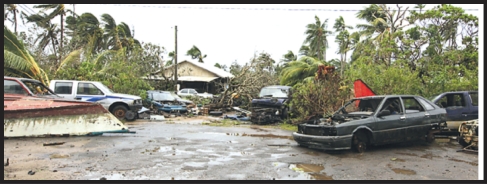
271	105
122	106
460	106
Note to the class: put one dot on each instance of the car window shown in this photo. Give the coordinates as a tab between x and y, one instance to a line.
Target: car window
394	106
37	88
63	87
411	105
184	91
475	98
192	91
426	104
13	87
451	100
162	97
88	89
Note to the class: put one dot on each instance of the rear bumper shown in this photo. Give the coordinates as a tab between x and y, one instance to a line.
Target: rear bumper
324	142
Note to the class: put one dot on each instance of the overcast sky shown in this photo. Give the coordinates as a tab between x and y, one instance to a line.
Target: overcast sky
227	34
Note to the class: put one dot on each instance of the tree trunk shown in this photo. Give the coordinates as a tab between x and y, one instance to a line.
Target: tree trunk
61	45
15	21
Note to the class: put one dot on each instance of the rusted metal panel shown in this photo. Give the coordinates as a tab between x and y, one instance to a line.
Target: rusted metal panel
63	125
40	117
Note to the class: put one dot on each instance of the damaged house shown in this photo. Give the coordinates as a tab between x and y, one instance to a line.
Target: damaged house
200	76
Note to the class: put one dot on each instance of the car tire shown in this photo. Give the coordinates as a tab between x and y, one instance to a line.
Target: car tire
130	116
120	111
360	142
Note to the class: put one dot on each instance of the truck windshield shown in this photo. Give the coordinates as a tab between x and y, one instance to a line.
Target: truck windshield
38	88
273	92
105	88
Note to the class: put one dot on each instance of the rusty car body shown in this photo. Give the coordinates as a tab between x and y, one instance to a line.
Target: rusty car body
271	105
372	120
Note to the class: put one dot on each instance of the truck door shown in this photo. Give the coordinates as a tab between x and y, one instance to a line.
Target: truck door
89	92
473	98
456	108
64	89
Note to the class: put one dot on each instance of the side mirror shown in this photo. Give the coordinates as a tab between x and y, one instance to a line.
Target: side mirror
384	113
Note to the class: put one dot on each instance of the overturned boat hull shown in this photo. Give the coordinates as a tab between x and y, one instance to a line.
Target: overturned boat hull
40	117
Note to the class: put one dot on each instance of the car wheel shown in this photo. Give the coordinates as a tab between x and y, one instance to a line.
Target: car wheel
130	116
360	142
119	111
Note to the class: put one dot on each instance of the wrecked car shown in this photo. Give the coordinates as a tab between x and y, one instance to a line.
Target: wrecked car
373	120
271	105
165	101
469	134
28	87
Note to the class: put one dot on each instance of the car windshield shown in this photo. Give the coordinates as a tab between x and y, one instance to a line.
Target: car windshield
365	106
38	88
162	97
273	92
176	96
105	88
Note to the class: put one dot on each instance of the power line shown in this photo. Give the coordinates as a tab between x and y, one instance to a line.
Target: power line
265	9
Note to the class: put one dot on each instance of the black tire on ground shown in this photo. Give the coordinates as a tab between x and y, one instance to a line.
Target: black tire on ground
462	142
284	113
119	111
130	116
360	142
216	113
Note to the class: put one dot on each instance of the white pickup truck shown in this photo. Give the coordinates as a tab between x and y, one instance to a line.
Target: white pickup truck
192	92
122	106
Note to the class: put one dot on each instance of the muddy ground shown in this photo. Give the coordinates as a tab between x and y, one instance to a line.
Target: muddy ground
187	149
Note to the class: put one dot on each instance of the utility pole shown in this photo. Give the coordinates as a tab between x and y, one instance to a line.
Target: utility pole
176	57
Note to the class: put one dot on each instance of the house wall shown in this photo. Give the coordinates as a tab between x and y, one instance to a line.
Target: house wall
188	69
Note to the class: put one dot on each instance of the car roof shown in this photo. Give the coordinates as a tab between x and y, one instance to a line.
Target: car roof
22	79
384	96
278	86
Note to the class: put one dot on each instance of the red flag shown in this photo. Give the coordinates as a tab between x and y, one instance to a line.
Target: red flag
361	89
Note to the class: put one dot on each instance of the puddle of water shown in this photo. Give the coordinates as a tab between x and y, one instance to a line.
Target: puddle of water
408	154
205	151
404	171
312	153
429	156
306	167
255	135
237	176
165	148
195	164
278	155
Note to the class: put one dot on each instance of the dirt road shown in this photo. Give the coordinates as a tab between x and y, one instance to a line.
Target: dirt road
188	150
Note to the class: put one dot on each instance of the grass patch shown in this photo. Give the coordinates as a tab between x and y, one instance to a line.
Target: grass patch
290	127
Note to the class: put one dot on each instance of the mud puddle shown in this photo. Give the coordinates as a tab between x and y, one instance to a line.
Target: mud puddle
262	135
402	171
457	160
309	171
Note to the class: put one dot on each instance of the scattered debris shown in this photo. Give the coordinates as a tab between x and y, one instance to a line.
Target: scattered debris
103	178
54	171
53	143
31	172
393	159
6	164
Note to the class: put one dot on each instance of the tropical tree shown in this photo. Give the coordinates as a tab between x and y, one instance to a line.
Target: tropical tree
303	69
343	40
111	36
11	8
316	38
195	53
49	35
18	62
57	10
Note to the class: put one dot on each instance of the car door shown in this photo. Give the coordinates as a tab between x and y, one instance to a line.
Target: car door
390	127
473	113
89	92
417	118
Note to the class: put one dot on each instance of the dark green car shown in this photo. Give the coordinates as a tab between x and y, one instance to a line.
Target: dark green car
373	120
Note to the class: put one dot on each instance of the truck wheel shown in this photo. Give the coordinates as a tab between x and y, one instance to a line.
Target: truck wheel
360	142
119	111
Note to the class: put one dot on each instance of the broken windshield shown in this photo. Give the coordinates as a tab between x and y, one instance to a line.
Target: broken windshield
364	106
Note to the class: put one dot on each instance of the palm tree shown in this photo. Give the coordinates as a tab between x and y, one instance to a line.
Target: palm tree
343	40
195	53
303	69
13	9
18	62
57	10
49	36
316	37
288	57
111	36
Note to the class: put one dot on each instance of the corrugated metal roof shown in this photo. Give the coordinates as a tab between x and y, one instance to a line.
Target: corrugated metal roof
217	71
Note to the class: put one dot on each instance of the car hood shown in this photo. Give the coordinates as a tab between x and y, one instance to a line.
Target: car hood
269	101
